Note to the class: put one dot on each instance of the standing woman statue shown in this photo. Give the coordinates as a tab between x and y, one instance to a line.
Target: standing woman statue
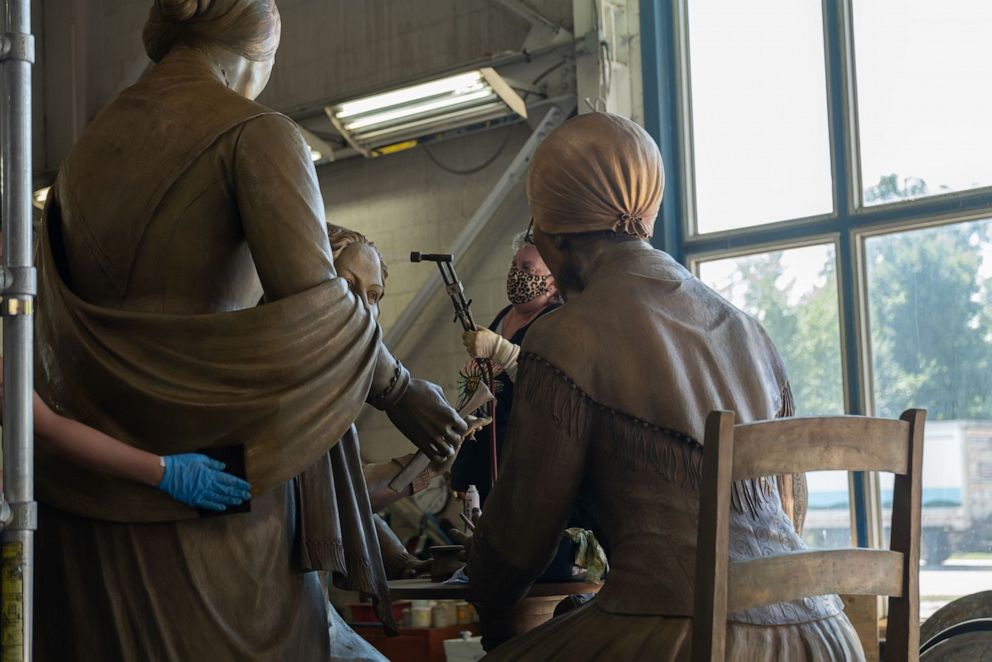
181	205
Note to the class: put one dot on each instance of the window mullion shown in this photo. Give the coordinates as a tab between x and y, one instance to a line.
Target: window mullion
662	52
843	120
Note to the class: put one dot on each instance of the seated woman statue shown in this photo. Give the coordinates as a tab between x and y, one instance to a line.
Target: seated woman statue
612	392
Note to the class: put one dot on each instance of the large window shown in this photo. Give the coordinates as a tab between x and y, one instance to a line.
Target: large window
793	292
759	113
923	72
828	172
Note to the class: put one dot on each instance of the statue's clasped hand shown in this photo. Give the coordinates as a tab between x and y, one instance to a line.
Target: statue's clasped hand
424	417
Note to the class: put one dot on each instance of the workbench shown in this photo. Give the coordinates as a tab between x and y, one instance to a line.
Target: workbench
497	622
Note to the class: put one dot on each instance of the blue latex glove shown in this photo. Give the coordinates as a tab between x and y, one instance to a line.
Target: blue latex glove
199	482
458	578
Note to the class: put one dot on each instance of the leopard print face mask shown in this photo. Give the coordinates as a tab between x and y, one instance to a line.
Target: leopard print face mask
522	287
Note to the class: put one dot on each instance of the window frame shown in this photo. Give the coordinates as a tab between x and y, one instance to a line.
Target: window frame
667	117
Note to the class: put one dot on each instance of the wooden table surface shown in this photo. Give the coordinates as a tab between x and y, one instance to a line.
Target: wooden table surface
425	589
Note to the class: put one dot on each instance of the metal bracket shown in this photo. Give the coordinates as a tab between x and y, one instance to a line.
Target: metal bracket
23	516
19	287
19	281
543	31
17	46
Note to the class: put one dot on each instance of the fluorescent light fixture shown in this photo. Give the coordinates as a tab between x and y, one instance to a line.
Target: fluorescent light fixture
40	196
373	124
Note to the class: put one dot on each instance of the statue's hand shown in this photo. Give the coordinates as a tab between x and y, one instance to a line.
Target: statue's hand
464	538
425	418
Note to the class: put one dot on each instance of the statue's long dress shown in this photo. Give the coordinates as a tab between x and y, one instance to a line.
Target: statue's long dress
611	397
181	205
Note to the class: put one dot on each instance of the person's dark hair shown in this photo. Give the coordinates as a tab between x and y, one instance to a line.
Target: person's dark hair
341	238
250	28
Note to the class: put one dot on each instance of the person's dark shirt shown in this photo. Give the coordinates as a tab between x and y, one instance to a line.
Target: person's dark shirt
471	467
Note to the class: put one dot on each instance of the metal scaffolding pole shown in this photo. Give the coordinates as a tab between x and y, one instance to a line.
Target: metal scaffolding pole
18	280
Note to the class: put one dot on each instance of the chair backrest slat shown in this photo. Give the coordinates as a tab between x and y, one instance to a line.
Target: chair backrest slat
849	443
785	577
798	445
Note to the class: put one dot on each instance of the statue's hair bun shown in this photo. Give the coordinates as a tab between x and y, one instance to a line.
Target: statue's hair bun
181	10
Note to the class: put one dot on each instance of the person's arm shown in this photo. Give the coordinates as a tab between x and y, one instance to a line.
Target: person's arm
282	215
282	212
89	447
190	478
93	449
540	474
378	476
486	344
399	563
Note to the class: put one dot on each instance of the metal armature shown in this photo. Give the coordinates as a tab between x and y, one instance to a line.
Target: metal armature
453	286
513	175
17	279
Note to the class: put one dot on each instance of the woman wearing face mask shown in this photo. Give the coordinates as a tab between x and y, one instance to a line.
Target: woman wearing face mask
532	293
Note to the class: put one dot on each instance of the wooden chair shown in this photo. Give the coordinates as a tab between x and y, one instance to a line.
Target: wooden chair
797	445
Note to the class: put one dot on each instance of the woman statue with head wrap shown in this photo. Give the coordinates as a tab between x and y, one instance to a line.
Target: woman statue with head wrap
612	392
180	206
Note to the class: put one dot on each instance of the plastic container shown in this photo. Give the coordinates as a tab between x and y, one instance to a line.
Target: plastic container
451	611
470	502
420	617
439	616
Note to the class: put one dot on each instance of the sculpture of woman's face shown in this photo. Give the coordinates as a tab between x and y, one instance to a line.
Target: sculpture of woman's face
359	264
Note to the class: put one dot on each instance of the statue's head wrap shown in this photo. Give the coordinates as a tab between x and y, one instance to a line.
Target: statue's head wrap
596	172
250	28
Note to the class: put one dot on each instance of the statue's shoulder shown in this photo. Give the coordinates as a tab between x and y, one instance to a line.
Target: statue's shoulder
562	336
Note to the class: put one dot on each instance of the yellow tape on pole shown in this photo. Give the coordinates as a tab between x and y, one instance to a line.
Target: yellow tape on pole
12	590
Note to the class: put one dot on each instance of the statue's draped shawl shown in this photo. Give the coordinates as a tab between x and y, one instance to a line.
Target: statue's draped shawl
286	379
647	339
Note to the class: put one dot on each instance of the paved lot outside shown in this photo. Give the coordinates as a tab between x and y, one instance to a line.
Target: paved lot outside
954	578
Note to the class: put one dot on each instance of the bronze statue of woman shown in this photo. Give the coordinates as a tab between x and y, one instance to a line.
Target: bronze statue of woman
181	205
